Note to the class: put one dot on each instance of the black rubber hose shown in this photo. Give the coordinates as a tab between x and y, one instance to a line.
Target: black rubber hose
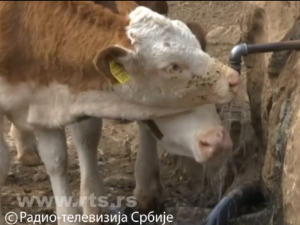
231	205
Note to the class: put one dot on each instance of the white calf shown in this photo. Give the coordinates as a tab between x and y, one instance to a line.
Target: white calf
197	134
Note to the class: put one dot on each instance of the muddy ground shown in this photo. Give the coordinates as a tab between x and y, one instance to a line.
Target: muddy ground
118	146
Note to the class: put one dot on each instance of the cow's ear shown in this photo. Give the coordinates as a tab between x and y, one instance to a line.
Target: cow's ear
126	7
160	7
199	32
110	62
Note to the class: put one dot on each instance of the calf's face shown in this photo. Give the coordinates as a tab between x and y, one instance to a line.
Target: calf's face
167	66
197	134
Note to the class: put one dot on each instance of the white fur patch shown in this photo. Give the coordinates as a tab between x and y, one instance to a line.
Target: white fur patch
159	43
56	106
147	24
181	132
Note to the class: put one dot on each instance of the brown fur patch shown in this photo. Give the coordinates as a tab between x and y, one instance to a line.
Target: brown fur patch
42	42
157	6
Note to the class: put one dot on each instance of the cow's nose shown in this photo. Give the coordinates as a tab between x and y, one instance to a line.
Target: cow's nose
214	142
234	81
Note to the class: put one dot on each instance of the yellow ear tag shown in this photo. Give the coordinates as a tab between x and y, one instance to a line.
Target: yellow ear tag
118	72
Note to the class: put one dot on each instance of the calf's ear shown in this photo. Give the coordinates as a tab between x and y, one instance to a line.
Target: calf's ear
110	62
160	7
199	32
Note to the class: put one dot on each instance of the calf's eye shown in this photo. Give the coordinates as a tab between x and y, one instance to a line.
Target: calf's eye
173	68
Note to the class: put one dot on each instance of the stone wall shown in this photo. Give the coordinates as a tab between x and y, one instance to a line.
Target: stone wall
273	89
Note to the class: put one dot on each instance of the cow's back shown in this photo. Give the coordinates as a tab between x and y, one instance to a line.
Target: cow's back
160	7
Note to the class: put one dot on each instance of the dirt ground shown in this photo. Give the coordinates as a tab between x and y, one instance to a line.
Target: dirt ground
118	146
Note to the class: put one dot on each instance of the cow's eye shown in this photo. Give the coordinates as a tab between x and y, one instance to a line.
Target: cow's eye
173	68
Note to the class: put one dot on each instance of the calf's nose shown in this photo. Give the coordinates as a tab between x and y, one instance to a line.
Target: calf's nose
214	142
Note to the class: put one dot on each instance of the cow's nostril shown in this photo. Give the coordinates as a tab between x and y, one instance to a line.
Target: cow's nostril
220	134
233	82
214	143
204	143
234	79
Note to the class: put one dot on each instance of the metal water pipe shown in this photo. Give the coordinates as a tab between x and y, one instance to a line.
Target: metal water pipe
238	51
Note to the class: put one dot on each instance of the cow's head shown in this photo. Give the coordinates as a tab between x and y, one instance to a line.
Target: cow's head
166	65
198	134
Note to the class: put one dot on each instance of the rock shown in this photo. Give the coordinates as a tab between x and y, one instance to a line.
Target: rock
11	175
127	147
261	217
100	163
74	166
40	177
224	35
27	190
273	89
116	181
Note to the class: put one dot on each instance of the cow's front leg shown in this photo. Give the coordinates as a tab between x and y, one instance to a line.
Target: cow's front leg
4	164
148	189
86	135
53	151
26	145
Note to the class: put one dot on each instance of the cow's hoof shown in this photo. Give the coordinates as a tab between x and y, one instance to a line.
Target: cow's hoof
146	205
150	199
29	159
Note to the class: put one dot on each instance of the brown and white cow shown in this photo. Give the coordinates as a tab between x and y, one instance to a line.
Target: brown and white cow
55	69
56	60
